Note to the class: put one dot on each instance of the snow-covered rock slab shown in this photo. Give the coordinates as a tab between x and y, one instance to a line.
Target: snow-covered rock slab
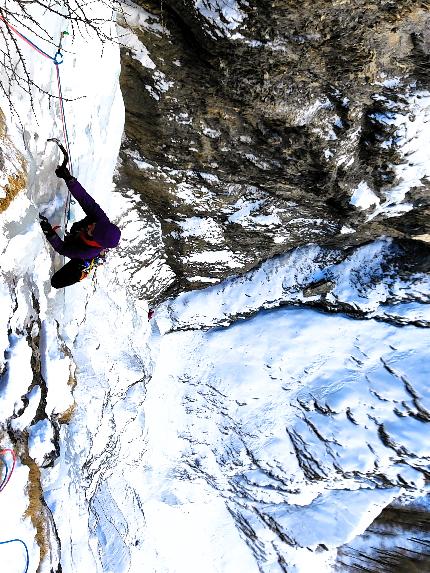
293	417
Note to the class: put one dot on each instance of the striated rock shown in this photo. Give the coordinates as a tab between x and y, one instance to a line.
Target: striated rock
396	541
254	129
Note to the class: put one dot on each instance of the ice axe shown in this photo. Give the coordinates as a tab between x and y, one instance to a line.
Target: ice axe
63	149
64	165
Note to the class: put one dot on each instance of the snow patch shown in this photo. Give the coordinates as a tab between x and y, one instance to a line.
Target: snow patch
225	257
363	197
41	440
205	228
412	141
224	15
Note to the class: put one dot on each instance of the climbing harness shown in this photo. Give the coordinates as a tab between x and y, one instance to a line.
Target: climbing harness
57	59
8	472
88	266
27	557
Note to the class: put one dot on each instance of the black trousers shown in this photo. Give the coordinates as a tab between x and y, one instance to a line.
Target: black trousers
69	274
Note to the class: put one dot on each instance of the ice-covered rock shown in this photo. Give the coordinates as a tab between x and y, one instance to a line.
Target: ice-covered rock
271	188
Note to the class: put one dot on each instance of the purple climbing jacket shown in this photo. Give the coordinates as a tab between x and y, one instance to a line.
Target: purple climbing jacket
105	233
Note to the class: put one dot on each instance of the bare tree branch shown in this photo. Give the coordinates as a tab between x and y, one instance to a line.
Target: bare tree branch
77	16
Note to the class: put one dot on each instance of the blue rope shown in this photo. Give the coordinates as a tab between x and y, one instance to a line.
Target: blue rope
30	42
34	46
26	551
37	47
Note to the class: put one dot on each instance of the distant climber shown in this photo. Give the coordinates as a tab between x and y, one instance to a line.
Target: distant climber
88	239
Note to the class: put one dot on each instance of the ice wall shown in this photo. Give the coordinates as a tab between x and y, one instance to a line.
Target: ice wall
37	325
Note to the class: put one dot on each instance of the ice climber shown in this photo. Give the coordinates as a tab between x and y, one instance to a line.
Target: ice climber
87	240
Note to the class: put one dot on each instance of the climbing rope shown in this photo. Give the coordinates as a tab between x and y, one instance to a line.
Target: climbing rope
66	139
8	473
27	557
57	59
3	484
27	40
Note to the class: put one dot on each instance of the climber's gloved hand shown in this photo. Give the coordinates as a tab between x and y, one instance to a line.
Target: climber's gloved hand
63	173
47	229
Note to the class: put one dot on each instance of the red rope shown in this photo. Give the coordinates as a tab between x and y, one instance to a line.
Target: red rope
9	474
66	139
63	116
57	62
29	42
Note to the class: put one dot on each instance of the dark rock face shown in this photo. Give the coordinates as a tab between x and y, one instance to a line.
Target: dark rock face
255	125
396	541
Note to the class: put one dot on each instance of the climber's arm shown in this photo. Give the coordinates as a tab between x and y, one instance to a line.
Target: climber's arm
91	208
72	251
